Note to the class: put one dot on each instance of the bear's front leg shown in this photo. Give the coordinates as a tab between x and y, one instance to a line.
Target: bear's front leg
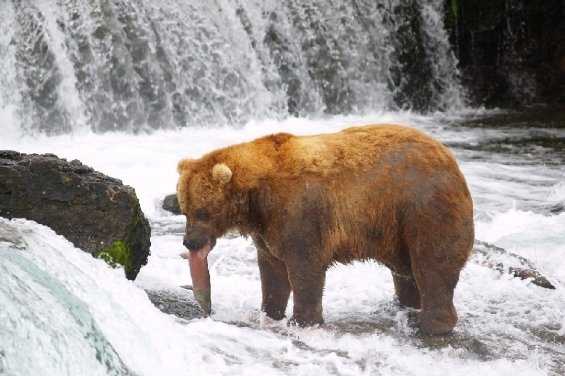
307	283
406	291
274	285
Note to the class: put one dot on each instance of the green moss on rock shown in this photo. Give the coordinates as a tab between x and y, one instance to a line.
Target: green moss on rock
132	250
118	253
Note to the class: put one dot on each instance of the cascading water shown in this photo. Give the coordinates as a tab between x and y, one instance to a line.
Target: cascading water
139	64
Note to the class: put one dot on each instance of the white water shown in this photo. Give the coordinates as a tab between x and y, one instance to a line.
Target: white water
139	64
507	326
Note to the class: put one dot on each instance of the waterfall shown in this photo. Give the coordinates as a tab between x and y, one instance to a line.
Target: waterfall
138	65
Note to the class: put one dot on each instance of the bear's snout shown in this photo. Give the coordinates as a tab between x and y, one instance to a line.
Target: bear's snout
194	243
195	239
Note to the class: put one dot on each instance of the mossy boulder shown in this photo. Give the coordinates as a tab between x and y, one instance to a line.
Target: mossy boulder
97	213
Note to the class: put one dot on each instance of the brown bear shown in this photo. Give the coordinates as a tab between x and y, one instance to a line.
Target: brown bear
379	192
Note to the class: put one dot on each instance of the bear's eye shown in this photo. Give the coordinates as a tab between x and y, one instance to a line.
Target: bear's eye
201	214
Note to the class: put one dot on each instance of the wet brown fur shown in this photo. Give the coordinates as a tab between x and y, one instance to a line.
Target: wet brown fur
383	192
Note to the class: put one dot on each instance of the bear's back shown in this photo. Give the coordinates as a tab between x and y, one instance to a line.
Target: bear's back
357	149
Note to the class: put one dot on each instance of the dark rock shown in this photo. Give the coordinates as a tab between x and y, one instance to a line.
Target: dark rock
557	208
412	76
97	213
511	52
534	275
179	303
503	261
170	203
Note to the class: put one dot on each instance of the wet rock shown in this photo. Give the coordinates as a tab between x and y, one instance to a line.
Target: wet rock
179	303
534	275
557	208
171	204
511	52
413	73
97	213
506	262
470	347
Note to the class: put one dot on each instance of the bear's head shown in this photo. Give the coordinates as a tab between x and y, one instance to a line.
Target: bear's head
203	195
203	192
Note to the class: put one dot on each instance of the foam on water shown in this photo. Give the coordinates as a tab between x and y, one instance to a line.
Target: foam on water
507	326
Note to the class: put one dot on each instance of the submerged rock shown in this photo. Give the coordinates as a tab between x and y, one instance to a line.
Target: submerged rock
97	213
178	302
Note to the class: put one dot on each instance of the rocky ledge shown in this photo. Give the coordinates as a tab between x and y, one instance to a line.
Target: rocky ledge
97	213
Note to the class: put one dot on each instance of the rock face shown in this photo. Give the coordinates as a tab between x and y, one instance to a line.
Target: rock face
97	213
511	52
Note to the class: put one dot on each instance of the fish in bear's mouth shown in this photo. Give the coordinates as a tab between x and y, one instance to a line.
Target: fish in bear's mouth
198	263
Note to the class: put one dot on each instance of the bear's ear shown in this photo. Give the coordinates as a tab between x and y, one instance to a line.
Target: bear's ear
184	165
221	173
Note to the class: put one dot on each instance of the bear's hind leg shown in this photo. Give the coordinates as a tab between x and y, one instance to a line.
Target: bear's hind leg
274	285
436	285
435	268
439	243
406	291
